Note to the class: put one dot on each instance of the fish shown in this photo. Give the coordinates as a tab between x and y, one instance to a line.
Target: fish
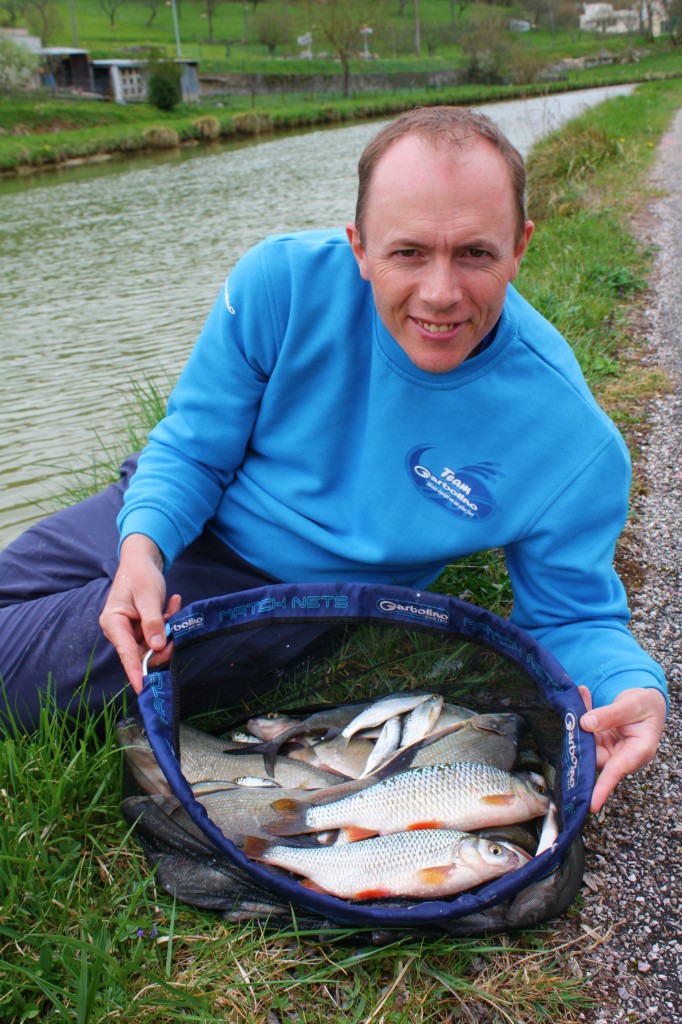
386	744
488	739
266	727
330	755
328	723
424	864
241	736
203	760
421	720
461	795
384	708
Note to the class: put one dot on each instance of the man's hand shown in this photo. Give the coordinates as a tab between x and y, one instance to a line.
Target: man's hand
627	733
133	618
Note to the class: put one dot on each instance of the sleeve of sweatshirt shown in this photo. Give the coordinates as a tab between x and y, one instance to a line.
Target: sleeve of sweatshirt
566	591
194	452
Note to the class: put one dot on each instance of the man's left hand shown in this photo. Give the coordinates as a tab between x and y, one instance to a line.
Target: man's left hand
627	733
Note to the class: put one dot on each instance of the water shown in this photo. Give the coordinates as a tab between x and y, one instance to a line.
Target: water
107	273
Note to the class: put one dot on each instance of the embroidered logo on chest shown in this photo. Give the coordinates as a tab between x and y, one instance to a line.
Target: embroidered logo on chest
464	491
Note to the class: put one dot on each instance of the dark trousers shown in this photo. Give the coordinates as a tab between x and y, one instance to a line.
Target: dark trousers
54	581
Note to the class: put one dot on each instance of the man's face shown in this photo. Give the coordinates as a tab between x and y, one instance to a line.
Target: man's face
440	246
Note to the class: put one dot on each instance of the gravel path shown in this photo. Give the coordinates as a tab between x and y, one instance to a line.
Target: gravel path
631	925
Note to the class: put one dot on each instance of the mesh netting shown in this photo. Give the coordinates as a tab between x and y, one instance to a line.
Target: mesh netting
300	647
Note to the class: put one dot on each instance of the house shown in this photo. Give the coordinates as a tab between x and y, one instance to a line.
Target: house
60	66
602	17
122	80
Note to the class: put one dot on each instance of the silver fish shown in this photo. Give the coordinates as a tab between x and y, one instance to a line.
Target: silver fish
424	864
203	760
490	739
266	727
462	795
336	756
326	723
386	707
421	721
386	744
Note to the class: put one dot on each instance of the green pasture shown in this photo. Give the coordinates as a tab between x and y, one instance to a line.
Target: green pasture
236	43
86	934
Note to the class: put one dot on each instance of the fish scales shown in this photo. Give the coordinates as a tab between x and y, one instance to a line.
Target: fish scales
423	864
461	795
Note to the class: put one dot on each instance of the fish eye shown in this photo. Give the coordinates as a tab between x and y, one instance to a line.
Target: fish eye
496	850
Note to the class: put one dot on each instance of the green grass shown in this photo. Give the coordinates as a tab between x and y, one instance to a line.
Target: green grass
392	41
85	933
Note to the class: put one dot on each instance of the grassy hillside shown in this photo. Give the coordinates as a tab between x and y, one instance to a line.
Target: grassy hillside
236	43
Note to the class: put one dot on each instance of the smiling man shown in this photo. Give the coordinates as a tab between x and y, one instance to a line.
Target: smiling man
439	240
360	412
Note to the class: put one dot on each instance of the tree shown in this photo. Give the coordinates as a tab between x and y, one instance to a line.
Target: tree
486	43
273	28
18	65
43	19
339	22
12	9
211	7
153	8
110	7
673	12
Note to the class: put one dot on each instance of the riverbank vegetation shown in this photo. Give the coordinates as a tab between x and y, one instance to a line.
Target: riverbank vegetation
85	932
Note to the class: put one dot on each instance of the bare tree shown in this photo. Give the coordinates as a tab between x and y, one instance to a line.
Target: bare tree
110	7
338	22
273	28
210	7
43	19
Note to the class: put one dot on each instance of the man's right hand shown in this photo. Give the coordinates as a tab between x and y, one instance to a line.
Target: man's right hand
133	618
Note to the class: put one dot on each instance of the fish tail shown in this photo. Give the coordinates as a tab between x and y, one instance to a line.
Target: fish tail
291	818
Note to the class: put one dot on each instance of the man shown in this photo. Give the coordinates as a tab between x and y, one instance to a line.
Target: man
370	407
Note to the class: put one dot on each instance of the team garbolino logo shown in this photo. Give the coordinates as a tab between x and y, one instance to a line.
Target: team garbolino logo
463	491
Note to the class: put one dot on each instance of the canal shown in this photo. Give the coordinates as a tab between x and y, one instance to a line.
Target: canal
108	272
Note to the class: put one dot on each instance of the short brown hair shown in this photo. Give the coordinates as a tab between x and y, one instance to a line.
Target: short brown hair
445	125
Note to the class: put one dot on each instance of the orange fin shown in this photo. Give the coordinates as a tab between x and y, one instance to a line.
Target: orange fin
354	832
424	824
255	847
503	799
308	883
290	820
286	805
434	876
372	894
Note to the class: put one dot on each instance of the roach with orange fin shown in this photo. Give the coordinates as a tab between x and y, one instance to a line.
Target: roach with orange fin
461	795
424	864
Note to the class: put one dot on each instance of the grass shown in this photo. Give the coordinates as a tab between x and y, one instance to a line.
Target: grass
42	132
236	46
85	933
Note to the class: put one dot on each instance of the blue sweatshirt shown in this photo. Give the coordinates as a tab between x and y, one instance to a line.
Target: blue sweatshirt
304	437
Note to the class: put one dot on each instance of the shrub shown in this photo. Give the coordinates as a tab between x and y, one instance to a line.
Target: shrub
208	126
159	136
252	123
17	66
163	83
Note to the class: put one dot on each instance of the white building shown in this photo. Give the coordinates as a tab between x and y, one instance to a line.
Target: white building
605	18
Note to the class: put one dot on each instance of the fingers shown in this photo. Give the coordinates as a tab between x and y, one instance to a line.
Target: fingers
586	696
132	618
627	733
629	708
